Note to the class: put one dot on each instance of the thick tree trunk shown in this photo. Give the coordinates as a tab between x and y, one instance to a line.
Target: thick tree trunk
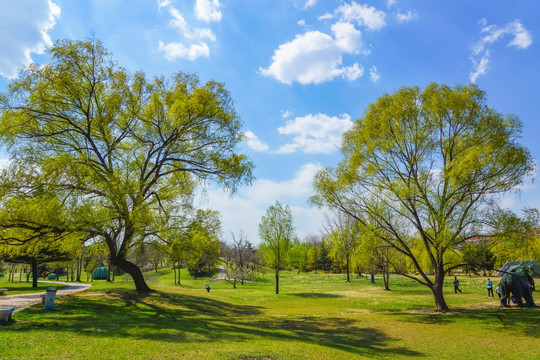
277	281
135	272
437	289
34	274
372	277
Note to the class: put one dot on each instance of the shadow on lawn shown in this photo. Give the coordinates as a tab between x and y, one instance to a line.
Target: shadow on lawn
316	295
169	317
524	320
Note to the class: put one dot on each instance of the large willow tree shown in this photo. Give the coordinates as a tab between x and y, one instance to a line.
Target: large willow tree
421	165
124	149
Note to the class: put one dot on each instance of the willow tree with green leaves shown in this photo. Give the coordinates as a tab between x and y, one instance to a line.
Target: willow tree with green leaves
277	232
128	149
424	164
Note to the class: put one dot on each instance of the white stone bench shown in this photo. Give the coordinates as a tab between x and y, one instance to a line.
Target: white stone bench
2	291
5	313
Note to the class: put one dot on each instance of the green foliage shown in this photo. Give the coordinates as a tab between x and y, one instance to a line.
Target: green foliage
126	152
424	164
478	256
323	261
277	232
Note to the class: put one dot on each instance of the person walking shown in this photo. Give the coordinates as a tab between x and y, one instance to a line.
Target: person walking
498	290
489	285
456	285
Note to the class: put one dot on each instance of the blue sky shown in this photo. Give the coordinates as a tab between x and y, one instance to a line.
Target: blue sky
300	71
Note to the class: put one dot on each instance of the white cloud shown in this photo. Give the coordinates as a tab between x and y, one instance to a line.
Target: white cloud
521	39
195	46
244	211
179	22
315	134
208	10
286	114
163	3
176	50
253	142
354	72
363	15
302	22
374	76
25	25
316	57
390	3
405	17
480	66
310	3
325	16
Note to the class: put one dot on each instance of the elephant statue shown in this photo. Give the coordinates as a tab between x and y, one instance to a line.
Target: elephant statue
517	282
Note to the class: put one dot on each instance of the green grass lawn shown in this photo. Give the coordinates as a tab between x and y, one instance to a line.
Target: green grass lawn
314	317
21	287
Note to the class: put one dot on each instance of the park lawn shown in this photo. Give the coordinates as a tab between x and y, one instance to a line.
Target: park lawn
314	317
22	287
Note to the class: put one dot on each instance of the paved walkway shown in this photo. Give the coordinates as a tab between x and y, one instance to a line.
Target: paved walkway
22	301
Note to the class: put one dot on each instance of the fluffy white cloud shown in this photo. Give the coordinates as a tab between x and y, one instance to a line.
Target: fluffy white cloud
244	211
363	15
25	25
196	45
316	57
374	75
208	10
315	134
253	142
481	55
176	50
406	17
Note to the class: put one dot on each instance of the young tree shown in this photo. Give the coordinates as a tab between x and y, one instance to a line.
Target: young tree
127	149
276	231
433	158
343	233
239	257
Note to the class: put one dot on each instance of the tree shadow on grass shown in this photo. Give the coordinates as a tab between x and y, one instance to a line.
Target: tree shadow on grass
177	318
524	320
316	295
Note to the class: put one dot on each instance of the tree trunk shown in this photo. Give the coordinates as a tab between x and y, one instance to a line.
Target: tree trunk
348	277
109	267
372	277
34	274
277	281
437	289
174	271
135	272
79	269
386	278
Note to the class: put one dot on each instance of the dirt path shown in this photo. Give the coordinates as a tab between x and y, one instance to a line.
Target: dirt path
22	301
